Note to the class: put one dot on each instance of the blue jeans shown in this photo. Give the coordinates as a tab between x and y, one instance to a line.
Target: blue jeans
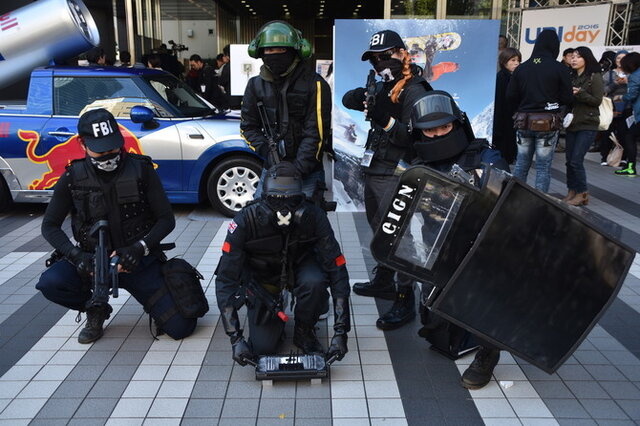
543	144
578	144
309	183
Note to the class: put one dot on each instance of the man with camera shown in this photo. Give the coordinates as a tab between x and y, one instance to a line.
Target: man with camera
124	189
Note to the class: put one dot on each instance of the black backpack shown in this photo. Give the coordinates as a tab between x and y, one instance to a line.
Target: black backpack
182	281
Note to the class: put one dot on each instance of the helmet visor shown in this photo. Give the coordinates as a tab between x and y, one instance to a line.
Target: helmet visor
432	111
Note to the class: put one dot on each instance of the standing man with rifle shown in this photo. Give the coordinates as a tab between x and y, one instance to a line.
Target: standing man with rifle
387	105
295	103
282	242
119	215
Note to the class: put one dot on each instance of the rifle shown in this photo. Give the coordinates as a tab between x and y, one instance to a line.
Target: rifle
273	304
105	269
274	157
371	93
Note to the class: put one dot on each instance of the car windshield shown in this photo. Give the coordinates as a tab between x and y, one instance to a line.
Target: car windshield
180	96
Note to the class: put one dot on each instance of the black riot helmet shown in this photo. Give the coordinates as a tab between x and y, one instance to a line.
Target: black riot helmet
282	192
437	108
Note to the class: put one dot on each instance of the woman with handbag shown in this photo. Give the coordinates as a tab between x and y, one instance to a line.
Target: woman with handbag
615	83
588	90
630	64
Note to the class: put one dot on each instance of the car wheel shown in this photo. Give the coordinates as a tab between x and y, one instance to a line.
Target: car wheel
5	196
232	184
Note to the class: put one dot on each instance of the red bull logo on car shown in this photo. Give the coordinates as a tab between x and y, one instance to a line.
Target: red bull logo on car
574	34
59	156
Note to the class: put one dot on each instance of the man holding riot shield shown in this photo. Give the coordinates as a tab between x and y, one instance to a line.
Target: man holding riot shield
118	208
463	231
444	141
277	245
296	102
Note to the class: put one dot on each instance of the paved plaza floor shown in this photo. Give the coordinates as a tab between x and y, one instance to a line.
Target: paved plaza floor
387	378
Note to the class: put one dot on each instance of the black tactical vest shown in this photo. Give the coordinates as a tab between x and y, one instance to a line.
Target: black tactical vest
122	202
265	243
471	158
386	154
287	103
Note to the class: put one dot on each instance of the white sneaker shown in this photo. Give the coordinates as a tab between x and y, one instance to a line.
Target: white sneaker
604	163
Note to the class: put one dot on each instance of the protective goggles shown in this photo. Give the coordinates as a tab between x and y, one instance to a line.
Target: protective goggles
375	58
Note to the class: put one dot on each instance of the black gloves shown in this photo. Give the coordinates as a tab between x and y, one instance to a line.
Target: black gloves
130	256
231	323
354	99
241	352
338	347
341	326
379	114
83	261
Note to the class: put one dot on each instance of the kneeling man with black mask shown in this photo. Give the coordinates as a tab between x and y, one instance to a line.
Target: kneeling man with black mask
281	243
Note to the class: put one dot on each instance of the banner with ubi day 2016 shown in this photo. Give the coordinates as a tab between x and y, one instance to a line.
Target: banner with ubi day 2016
459	56
576	26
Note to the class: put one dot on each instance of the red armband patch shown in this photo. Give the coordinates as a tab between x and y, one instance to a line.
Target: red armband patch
226	247
340	260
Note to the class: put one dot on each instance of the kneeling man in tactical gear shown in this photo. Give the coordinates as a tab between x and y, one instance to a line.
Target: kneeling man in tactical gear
123	189
282	242
443	137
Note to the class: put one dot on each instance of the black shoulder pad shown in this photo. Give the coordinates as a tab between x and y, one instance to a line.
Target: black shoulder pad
77	160
140	157
77	169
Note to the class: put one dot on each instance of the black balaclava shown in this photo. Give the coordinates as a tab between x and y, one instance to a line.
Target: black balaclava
389	70
279	63
441	148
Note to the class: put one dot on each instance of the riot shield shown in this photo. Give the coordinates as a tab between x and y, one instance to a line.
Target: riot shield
536	277
430	223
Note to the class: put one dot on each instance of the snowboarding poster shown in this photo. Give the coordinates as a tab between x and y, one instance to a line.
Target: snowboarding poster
459	56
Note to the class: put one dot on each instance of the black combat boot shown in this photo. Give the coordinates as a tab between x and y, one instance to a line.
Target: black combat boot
96	316
402	311
381	285
304	337
479	372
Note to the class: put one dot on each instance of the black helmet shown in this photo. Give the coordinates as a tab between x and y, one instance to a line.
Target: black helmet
434	109
282	180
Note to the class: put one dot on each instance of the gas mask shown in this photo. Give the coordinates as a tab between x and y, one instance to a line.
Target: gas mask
107	162
285	208
283	195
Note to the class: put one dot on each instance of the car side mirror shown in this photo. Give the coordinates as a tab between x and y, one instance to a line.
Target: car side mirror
142	114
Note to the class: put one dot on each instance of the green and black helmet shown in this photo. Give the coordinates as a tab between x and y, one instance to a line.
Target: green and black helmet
279	34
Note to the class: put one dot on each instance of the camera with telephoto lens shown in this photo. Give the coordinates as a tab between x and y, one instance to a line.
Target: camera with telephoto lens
175	47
